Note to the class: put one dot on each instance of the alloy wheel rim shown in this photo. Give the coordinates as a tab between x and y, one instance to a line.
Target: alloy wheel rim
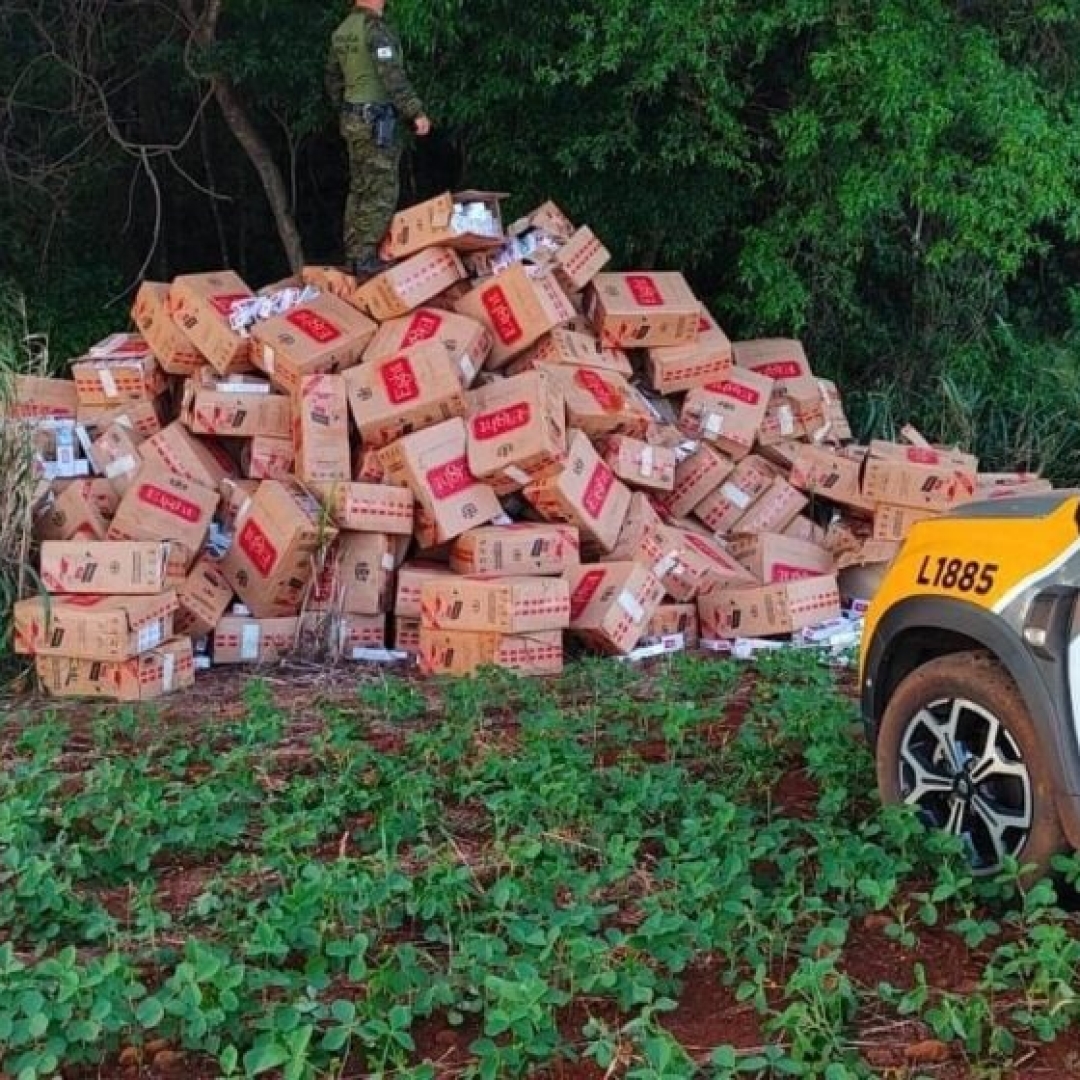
963	771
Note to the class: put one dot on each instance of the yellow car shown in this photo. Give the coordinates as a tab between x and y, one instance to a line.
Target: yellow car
970	677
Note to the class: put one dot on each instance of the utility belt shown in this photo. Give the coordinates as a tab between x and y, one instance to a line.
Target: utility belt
380	116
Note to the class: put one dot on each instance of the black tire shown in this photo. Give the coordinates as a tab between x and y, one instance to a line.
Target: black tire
938	749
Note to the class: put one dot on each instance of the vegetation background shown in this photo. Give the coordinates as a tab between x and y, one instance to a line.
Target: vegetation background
895	181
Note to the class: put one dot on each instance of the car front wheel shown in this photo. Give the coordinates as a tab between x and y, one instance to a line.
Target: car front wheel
957	743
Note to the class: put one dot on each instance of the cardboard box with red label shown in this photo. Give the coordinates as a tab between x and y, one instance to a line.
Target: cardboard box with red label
672	369
174	449
585	493
518	310
722	510
455	652
278	536
141	416
403	393
774	509
919	477
517	430
611	605
376	508
516	550
405	632
115	381
165	670
698	474
769	610
673	620
686	563
172	348
643	310
602	402
579	259
115	455
72	514
113	568
411	578
823	473
468	343
320	337
774	558
159	505
201	305
409	284
266	458
357	576
509	605
784	361
37	398
93	627
729	412
434	464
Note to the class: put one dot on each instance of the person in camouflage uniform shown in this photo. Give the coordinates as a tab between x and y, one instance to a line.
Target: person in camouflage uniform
367	82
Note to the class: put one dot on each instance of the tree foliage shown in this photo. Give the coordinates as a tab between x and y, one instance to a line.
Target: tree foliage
894	180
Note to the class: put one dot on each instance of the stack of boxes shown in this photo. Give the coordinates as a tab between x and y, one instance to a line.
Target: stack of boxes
494	446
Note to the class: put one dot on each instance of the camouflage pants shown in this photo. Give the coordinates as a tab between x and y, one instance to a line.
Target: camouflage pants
373	188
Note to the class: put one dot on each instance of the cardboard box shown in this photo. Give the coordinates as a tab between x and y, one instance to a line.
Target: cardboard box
320	337
434	465
893	523
518	310
640	519
805	529
918	477
769	610
511	605
142	416
115	455
369	507
776	508
111	568
468	343
641	464
174	449
824	473
585	493
321	429
572	348
164	670
268	458
330	279
723	509
782	423
238	407
172	348
579	259
112	382
515	550
368	467
517	430
835	427
670	620
673	369
697	475
686	563
411	578
406	634
773	558
728	413
71	514
95	489
602	402
784	361
201	305
454	652
159	505
93	627
403	393
410	284
643	310
235	496
548	218
204	598
37	398
272	558
439	222
244	640
357	576
611	605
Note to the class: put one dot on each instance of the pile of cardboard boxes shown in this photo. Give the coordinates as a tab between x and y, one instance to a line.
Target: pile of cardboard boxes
493	448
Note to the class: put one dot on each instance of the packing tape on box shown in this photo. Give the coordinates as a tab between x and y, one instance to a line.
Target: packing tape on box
714	423
150	636
120	466
268	358
518	476
250	640
736	496
388	561
787	420
467	367
629	603
168	672
108	383
648	459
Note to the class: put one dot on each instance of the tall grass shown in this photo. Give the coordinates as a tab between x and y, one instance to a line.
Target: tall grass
20	353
